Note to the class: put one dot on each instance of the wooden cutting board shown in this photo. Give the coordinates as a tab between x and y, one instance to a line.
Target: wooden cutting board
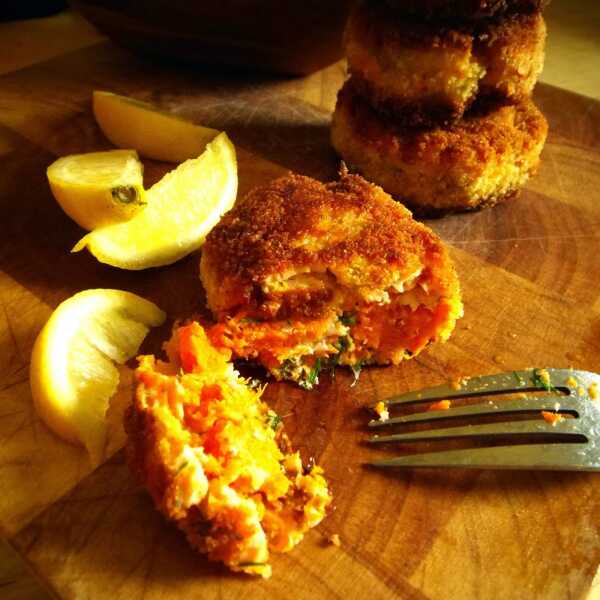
530	273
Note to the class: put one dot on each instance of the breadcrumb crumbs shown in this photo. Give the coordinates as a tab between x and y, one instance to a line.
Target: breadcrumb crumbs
593	391
382	411
441	405
335	540
552	417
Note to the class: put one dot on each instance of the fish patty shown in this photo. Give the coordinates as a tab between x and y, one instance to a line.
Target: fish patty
461	10
479	161
423	74
301	275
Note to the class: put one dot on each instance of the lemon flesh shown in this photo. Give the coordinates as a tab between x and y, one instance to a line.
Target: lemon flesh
156	134
181	210
98	188
73	372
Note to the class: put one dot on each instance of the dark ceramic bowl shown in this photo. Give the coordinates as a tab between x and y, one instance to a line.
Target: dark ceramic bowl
293	37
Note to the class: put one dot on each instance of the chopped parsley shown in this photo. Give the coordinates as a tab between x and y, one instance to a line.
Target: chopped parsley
273	420
348	319
519	379
341	346
313	376
541	379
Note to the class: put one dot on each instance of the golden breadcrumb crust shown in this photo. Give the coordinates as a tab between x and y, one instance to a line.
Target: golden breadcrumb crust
304	276
347	232
459	10
427	74
482	159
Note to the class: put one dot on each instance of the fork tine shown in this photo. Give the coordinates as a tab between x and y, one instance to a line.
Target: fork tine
558	457
486	385
528	404
570	427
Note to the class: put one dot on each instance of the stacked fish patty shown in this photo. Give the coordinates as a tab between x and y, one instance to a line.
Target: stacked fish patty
438	109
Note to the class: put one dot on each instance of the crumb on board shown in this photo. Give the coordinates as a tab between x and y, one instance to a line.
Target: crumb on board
552	417
571	381
593	391
441	405
513	336
382	411
334	540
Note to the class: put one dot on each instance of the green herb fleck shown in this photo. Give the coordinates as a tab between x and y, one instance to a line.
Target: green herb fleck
273	420
539	382
342	345
519	379
348	319
313	377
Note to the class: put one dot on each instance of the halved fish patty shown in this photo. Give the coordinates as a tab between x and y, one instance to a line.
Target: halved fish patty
427	74
461	10
215	459
302	275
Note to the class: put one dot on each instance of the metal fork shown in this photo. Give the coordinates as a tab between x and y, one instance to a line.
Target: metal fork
568	392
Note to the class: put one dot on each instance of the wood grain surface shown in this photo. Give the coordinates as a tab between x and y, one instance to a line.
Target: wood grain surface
530	273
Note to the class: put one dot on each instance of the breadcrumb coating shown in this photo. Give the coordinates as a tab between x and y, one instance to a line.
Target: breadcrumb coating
461	10
215	459
479	161
301	275
425	74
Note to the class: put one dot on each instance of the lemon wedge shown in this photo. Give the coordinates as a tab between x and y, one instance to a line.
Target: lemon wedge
129	123
73	370
98	188
181	210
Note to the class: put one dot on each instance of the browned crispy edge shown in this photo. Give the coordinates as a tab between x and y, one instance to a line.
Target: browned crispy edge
371	20
452	11
253	240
